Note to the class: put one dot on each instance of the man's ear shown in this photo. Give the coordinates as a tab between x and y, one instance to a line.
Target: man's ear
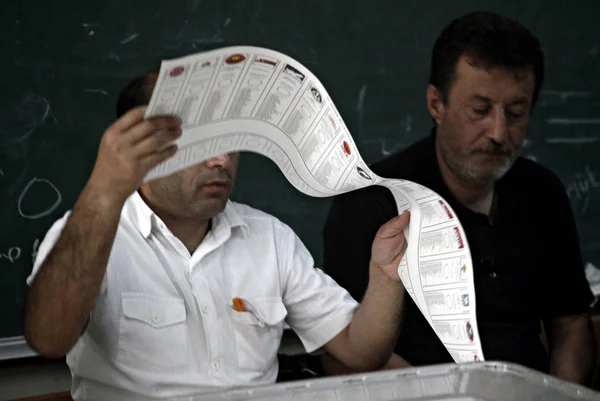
435	104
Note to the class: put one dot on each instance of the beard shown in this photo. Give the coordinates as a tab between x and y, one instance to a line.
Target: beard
480	166
177	197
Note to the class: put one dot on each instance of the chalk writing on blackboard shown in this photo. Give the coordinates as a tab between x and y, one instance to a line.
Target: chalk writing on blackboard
582	183
13	253
48	209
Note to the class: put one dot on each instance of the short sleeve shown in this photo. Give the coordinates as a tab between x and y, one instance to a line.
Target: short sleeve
567	291
318	308
47	244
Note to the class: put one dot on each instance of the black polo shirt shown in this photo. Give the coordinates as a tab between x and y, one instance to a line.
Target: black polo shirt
527	264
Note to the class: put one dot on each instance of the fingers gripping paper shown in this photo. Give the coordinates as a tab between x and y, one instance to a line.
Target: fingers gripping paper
258	100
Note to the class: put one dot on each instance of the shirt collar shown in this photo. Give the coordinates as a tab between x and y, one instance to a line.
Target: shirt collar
228	219
139	213
143	217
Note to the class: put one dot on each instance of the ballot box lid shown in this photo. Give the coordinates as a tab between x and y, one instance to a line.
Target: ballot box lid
482	381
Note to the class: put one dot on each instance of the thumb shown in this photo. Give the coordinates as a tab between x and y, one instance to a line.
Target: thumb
395	226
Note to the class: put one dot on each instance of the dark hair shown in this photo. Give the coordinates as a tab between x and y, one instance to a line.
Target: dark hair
492	41
137	92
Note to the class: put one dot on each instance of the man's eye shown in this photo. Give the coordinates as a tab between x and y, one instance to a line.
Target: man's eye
481	112
514	115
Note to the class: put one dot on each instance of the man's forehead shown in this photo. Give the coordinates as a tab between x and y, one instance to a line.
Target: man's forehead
472	65
478	77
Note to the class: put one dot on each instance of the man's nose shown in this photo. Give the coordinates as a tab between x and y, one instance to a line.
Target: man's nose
498	131
218	161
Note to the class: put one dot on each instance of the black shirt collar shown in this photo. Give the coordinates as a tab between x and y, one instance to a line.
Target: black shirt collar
431	176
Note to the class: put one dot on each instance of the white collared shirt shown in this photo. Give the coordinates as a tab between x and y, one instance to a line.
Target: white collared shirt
163	324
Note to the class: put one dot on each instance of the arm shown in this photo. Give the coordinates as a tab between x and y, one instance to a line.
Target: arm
567	296
368	341
396	362
333	367
354	218
65	288
572	348
64	291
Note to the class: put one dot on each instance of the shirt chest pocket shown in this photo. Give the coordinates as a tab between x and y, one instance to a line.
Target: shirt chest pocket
152	332
258	333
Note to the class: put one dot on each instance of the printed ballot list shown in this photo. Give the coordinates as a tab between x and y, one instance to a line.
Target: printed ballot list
258	100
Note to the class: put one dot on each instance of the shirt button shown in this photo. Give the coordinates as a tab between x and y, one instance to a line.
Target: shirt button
205	308
155	319
215	365
493	275
261	323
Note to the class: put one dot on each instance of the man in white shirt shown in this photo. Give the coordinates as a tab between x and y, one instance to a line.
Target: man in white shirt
167	288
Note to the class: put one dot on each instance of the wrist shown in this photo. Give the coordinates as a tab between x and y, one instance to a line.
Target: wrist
377	275
102	197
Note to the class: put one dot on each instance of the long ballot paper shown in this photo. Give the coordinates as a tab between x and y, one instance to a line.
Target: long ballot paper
254	99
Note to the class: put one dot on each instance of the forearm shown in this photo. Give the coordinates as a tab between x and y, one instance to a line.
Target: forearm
396	362
333	367
573	351
64	291
373	331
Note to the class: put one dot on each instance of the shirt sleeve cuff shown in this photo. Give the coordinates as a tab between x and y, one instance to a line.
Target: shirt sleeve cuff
319	335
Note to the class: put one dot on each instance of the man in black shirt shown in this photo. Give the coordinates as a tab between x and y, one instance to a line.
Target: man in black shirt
486	73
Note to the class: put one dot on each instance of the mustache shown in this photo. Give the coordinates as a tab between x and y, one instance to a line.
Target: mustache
220	175
496	148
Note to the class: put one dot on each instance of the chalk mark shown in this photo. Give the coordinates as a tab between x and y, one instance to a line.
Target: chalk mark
573	121
46	212
91	90
385	151
572	140
586	203
565	95
114	56
130	38
26	125
10	255
360	103
34	252
227	22
407	123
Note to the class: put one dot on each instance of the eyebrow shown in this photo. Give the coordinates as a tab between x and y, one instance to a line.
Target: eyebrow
518	101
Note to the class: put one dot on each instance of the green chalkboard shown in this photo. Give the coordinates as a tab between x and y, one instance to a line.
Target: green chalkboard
64	63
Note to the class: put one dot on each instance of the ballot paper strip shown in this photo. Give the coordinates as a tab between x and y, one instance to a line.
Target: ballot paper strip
485	381
255	99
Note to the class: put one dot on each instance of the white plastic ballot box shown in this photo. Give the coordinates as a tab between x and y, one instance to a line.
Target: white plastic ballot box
483	381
